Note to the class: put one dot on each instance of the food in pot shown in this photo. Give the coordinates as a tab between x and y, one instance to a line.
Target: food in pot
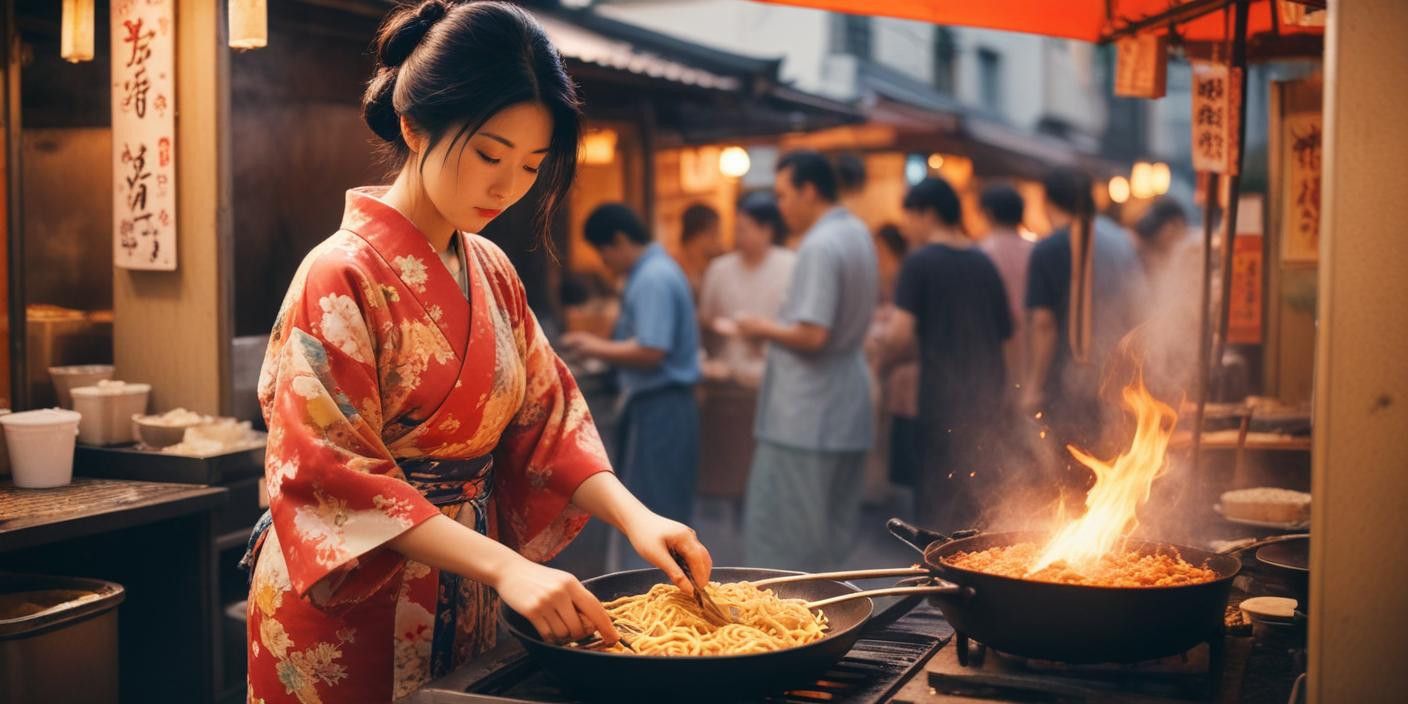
670	623
1267	505
1118	569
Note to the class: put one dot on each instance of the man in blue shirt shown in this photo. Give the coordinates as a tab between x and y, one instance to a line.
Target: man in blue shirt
655	348
814	410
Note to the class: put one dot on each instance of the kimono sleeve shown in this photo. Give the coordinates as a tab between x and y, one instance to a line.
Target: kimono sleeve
336	494
549	448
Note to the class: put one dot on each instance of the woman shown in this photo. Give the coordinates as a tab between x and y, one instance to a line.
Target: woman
426	446
750	280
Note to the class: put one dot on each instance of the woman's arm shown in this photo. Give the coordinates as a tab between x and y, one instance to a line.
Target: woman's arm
652	535
552	600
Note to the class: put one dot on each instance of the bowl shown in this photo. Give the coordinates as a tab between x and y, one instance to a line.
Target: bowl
162	431
66	379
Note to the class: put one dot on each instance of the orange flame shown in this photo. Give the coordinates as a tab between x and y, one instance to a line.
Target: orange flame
1121	487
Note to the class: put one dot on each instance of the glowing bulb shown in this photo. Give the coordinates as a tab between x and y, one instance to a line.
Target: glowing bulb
1141	180
1119	189
936	161
1160	178
76	34
249	24
734	162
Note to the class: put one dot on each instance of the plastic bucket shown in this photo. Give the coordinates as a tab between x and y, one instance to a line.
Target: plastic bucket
41	446
58	640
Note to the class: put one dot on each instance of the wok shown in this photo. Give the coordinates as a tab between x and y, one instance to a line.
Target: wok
1075	623
714	678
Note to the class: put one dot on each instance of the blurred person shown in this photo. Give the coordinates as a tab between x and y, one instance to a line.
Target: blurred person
897	439
751	280
950	300
1010	252
1162	236
815	414
655	347
700	243
1077	314
1172	256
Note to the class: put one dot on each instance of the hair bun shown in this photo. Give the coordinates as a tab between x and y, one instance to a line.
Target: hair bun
378	108
404	34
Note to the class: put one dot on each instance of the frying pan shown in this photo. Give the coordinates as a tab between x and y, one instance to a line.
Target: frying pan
1075	623
711	678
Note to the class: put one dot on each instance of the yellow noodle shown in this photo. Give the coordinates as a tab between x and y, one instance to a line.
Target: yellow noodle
670	622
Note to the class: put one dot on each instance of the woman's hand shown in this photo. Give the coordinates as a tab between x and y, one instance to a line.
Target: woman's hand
554	602
655	537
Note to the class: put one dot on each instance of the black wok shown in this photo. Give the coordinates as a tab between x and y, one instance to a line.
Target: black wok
1074	623
618	677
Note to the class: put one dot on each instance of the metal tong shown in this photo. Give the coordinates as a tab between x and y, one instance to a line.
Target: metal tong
711	610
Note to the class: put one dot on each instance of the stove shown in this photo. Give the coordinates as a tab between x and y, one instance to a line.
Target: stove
892	649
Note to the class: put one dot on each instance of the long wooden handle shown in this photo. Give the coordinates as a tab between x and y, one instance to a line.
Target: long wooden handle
891	591
844	576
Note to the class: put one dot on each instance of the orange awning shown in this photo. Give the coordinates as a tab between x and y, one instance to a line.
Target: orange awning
1088	20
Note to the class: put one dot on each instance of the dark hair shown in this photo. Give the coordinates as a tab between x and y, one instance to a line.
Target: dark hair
935	195
890	238
607	220
1003	204
761	207
1069	190
810	167
1162	212
444	63
696	220
850	172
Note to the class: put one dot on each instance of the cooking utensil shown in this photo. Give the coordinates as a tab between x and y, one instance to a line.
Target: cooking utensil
844	576
1074	623
711	610
618	676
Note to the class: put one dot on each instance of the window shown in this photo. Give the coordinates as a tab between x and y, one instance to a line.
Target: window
945	55
850	34
990	79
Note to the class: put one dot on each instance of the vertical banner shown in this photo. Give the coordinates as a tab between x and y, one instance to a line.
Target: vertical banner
1217	95
144	134
1245	314
1300	199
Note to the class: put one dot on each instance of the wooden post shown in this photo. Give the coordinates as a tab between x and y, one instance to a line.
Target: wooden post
1359	464
172	329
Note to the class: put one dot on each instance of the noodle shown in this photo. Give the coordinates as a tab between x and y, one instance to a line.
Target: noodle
1123	569
670	623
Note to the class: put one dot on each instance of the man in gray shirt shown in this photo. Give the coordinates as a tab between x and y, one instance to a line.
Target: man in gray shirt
814	410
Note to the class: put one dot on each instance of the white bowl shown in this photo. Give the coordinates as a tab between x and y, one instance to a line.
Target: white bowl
157	433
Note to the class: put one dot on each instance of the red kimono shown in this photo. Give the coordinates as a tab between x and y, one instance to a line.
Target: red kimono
390	398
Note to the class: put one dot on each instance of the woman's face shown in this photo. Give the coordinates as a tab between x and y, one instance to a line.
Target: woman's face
491	169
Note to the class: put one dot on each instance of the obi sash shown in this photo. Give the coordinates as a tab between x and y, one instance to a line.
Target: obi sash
444	483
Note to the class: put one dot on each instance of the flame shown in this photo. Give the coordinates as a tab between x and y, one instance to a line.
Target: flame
1120	487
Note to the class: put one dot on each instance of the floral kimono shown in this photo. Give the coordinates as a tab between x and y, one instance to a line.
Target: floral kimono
390	398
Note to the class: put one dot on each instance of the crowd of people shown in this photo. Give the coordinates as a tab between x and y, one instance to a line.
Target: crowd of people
958	366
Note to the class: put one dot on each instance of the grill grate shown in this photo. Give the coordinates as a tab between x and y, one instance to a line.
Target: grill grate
885	657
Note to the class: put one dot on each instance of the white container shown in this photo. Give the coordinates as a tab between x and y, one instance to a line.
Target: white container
107	410
41	446
68	378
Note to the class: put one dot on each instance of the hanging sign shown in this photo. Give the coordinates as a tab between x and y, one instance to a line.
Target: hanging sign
1244	315
144	134
1300	204
1217	92
1141	64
